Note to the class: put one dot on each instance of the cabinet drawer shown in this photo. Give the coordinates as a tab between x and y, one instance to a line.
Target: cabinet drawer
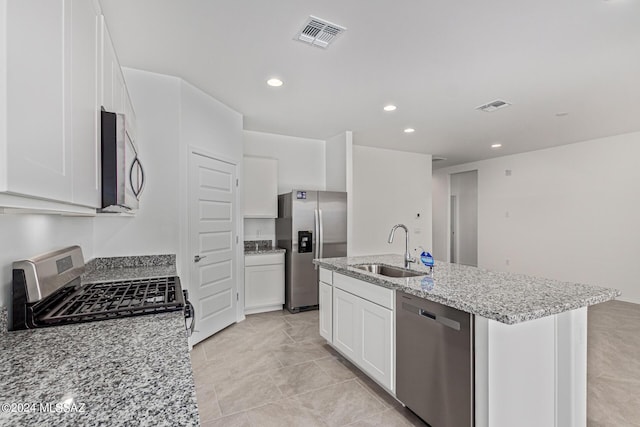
263	259
374	293
326	276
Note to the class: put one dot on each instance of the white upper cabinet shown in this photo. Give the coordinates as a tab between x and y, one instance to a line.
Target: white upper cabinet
83	81
51	62
39	160
53	81
260	187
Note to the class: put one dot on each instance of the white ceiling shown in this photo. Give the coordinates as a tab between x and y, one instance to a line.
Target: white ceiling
436	60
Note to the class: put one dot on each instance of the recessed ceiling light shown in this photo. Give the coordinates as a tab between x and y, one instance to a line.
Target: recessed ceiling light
389	107
409	130
496	145
274	82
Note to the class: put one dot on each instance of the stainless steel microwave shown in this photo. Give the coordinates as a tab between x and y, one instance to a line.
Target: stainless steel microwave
122	171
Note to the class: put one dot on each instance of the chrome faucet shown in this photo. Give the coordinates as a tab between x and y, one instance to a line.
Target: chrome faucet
407	255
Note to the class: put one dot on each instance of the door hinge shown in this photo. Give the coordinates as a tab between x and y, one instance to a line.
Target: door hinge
236	182
237	296
237	241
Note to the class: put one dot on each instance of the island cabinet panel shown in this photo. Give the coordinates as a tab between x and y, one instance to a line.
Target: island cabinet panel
326	276
345	322
376	344
326	311
363	330
532	373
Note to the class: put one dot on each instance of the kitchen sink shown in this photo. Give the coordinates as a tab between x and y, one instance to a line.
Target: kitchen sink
389	271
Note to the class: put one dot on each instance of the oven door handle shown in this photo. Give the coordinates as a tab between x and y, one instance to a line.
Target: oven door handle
189	313
192	312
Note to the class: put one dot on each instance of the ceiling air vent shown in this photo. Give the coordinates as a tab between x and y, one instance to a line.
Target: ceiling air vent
493	106
318	32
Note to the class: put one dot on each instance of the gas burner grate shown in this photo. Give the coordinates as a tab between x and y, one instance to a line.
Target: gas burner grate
106	300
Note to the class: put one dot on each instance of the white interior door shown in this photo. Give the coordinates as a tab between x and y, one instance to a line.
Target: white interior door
212	230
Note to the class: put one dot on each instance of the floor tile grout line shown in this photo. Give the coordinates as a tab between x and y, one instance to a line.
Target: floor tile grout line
320	388
378	398
367	416
243	411
328	374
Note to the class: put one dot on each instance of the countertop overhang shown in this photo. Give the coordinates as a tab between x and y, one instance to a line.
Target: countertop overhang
118	372
504	297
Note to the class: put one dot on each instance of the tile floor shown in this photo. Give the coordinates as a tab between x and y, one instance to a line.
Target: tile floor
274	369
613	365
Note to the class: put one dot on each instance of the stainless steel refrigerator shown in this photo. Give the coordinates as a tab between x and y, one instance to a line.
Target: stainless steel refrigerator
310	224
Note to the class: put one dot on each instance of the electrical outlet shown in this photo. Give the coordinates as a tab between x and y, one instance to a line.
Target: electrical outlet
507	261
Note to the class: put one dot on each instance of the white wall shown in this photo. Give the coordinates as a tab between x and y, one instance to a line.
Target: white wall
301	161
208	124
569	213
27	235
337	150
390	187
154	229
260	229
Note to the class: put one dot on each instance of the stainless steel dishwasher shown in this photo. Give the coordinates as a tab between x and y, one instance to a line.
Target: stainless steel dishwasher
435	361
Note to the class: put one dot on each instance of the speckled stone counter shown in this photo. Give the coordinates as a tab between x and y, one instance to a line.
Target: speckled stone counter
259	247
133	267
120	372
265	251
505	297
3	320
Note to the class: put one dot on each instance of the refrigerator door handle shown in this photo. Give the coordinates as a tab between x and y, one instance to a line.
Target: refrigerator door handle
320	234
316	226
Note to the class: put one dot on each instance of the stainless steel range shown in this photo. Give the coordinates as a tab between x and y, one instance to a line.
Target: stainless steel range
47	291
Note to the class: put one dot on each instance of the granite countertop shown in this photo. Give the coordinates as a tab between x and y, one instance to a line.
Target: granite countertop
264	251
126	268
505	297
120	372
259	247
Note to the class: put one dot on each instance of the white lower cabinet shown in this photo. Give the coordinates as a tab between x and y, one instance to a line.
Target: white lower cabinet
376	342
345	321
362	330
263	283
326	311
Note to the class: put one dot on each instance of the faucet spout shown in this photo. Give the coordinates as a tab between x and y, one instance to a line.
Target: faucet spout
407	255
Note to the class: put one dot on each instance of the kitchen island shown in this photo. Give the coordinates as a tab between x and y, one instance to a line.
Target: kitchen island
119	372
529	334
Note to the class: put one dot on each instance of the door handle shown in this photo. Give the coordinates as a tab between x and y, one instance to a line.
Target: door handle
316	226
197	258
320	235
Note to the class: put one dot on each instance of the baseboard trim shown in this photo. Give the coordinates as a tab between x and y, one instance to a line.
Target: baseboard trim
631	300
